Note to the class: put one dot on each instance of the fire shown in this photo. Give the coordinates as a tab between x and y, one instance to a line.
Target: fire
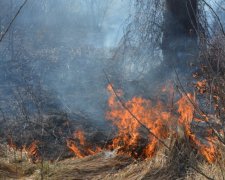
72	146
79	134
81	148
186	110
154	117
157	118
32	151
133	117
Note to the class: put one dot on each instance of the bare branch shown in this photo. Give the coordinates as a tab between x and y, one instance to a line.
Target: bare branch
14	18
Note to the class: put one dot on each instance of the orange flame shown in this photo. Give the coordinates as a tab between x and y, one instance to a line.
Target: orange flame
186	110
131	138
153	117
157	119
81	149
79	134
71	145
32	151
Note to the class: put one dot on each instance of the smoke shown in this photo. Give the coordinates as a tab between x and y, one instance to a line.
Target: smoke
60	49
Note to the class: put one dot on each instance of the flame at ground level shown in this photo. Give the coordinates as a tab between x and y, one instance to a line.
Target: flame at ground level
79	146
133	140
154	117
30	152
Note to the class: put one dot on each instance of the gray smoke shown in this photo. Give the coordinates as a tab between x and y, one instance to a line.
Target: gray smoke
63	47
60	48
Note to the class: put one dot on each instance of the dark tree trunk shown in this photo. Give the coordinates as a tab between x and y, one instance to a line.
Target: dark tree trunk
179	43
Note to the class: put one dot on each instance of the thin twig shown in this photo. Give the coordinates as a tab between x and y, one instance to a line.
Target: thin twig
200	172
10	24
217	17
162	142
203	114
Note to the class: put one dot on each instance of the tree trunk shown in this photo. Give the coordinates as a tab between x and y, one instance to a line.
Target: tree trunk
179	43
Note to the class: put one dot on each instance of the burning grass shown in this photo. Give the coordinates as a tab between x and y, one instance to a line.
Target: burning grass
171	148
12	166
152	141
106	165
170	138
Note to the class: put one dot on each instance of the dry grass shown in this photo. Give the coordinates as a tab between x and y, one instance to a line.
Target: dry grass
165	165
12	167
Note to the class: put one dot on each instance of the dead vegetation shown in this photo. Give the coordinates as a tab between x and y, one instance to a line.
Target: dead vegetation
179	163
181	160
